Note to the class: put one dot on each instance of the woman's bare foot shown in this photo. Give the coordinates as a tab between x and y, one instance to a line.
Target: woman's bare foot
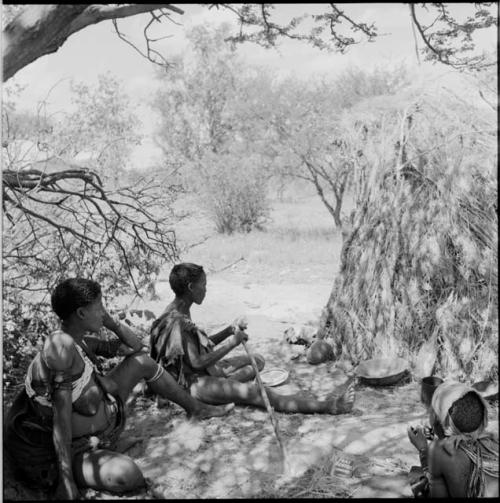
206	411
343	403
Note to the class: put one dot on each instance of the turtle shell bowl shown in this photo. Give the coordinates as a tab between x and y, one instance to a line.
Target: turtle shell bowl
487	389
382	371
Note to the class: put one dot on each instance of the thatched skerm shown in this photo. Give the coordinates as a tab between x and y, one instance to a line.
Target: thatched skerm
419	271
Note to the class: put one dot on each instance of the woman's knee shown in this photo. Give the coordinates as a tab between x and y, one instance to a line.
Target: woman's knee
141	357
142	360
103	470
121	474
210	390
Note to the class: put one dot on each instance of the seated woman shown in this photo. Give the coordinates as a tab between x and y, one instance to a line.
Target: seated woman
62	427
196	360
462	459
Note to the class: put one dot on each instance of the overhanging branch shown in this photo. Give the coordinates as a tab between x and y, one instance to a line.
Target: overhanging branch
42	29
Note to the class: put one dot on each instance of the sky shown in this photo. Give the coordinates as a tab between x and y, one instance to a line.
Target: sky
97	49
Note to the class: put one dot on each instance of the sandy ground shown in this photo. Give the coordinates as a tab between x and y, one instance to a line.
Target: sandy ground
238	456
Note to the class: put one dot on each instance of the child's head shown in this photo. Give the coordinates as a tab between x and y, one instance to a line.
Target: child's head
467	413
457	408
187	278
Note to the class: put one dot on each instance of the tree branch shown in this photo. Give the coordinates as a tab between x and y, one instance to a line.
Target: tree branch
41	29
94	220
438	46
97	13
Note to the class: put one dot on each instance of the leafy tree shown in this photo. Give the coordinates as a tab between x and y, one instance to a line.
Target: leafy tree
58	217
102	128
194	102
208	126
308	136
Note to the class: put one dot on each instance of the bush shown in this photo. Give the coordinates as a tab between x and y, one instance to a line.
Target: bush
24	329
234	191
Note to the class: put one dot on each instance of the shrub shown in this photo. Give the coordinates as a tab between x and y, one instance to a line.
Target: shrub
234	191
24	328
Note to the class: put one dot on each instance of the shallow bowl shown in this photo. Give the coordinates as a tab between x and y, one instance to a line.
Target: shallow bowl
382	371
273	376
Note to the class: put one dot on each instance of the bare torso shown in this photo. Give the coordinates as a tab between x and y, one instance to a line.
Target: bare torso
91	413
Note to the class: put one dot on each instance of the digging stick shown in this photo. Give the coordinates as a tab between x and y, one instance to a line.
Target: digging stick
265	398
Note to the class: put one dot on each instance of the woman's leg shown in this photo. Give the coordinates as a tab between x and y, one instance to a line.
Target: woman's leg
141	366
107	471
239	367
217	390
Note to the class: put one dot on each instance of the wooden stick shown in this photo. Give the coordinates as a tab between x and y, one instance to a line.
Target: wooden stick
268	405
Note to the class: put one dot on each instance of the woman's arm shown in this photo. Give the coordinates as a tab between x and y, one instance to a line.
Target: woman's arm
107	348
59	355
203	361
62	442
124	333
222	335
240	322
437	482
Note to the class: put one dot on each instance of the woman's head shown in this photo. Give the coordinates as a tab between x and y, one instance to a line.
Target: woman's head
189	279
467	413
81	298
457	408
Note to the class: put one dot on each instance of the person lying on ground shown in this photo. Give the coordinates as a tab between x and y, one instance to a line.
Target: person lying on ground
197	362
62	427
462	459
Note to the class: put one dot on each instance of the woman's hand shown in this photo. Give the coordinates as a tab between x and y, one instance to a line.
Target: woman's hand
66	490
240	323
124	333
417	437
240	337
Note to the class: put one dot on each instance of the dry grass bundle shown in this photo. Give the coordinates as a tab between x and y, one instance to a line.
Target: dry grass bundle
317	482
420	264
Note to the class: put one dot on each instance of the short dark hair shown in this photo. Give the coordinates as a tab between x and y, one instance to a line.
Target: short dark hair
467	413
73	293
183	274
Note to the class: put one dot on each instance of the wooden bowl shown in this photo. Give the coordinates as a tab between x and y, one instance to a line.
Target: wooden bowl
382	371
427	387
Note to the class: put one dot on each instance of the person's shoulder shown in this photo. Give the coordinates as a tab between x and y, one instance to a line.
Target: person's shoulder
446	459
172	320
59	338
178	319
439	453
182	324
58	350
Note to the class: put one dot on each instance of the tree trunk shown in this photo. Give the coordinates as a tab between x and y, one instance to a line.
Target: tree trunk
38	30
41	29
336	213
